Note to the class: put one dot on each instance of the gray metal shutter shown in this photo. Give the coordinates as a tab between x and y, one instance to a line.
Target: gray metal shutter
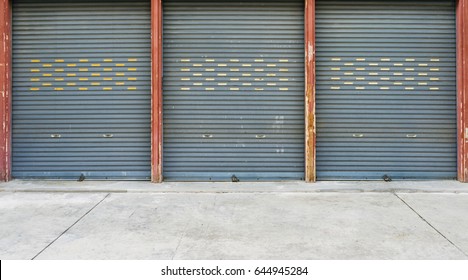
81	89
386	89
233	90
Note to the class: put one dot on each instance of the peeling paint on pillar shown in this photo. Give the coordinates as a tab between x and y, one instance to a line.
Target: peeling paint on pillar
462	89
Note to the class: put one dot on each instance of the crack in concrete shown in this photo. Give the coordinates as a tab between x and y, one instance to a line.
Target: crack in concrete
433	227
65	231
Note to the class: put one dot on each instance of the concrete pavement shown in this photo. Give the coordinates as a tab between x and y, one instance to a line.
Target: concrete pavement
292	220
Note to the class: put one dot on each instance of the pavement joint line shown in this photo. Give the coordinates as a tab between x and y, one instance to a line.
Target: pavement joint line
427	222
65	231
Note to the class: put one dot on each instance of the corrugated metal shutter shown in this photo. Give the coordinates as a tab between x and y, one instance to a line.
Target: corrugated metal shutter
233	90
386	89
81	89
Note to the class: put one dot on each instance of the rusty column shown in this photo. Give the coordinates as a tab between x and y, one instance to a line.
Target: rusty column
462	89
309	19
5	86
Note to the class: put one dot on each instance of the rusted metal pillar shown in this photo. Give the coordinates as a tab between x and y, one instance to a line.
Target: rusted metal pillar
5	88
156	91
462	88
310	175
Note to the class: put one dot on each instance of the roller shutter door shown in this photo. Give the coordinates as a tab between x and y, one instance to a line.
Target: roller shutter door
386	90
233	90
81	89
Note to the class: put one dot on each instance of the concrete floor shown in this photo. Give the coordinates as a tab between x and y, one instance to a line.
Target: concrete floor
65	220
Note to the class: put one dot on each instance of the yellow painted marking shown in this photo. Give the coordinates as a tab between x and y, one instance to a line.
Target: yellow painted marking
34	88
183	79
71	65
409	69
271	75
374	74
107	79
117	84
360	78
209	88
47	75
96	74
185	88
96	65
422	74
259	60
83	69
185	60
271	84
59	60
209	70
84	60
35	70
46	65
397	64
222	65
120	64
271	65
234	79
385	69
283	60
131	88
71	84
349	74
108	60
335	78
360	69
83	79
283	89
58	88
209	79
120	74
197	84
208	60
435	59
83	88
409	79
47	84
434	88
197	74
59	70
336	59
132	59
234	89
222	84
336	69
335	88
398	83
35	61
258	79
360	59
221	74
422	84
107	88
258	89
385	59
373	64
397	74
384	88
349	83
373	83
71	74
385	79
360	88
422	64
409	88
185	69
434	79
284	79
246	84
409	59
131	69
107	69
234	60
234	70
246	74
198	65
434	69
35	80
59	79
134	79
349	64
258	70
